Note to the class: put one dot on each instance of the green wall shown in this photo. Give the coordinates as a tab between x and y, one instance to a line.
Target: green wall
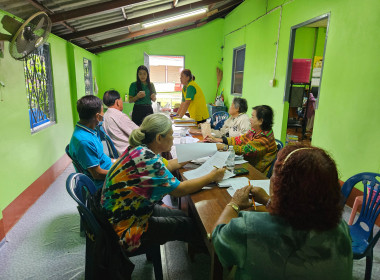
25	156
201	48
346	123
304	42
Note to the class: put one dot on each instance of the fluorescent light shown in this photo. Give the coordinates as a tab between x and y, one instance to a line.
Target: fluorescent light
173	18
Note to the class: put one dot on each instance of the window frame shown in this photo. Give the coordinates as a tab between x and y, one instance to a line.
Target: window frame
46	53
234	59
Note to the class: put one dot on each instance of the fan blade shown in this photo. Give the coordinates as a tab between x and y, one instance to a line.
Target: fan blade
10	24
5	37
40	24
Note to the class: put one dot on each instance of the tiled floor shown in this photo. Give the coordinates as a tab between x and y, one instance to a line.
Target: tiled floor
45	244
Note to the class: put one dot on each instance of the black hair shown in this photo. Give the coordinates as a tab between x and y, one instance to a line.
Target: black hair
88	106
139	84
110	97
187	72
265	113
240	103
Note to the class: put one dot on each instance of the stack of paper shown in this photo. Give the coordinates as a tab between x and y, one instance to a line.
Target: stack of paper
184	122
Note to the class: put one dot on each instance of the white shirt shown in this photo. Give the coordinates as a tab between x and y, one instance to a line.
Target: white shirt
119	127
234	126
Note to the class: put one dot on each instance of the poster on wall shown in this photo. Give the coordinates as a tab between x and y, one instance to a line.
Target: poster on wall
88	76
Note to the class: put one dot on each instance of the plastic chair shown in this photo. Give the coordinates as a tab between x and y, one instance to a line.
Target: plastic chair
76	164
107	142
280	145
363	240
105	258
218	119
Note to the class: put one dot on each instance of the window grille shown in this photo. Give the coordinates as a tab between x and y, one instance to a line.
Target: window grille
39	88
238	70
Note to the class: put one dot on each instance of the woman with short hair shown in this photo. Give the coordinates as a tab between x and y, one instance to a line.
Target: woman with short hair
139	179
302	236
258	145
238	123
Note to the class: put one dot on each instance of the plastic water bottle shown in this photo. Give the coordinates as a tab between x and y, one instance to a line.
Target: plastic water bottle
230	163
183	136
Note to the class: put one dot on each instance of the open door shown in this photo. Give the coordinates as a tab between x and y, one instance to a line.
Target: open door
303	78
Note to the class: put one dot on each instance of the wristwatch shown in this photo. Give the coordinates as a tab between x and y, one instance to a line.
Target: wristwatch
234	206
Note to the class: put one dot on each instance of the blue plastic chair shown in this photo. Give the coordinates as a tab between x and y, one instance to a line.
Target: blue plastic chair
104	138
218	119
76	164
105	258
280	145
361	231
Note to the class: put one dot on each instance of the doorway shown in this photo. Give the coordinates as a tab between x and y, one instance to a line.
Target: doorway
303	78
165	73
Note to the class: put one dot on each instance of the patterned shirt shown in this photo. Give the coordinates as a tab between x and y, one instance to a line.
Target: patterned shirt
137	181
259	148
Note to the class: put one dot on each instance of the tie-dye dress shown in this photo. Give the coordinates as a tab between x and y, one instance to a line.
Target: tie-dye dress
135	182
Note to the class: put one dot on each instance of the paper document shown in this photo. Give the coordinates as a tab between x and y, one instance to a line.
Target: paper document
186	152
218	160
187	140
238	184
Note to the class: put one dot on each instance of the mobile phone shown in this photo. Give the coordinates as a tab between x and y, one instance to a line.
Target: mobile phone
241	171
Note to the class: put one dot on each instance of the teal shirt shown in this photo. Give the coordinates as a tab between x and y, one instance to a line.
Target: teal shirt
264	246
142	101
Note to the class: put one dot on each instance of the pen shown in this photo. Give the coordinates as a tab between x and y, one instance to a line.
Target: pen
216	167
253	201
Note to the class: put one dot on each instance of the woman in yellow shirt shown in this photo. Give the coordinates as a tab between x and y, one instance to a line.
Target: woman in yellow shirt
193	98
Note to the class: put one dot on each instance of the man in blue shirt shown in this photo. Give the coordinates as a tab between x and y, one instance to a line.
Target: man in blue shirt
85	146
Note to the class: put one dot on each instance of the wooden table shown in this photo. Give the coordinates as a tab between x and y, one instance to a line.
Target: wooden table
206	206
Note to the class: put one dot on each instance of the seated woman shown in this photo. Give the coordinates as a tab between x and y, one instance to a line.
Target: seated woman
258	145
237	124
302	237
139	179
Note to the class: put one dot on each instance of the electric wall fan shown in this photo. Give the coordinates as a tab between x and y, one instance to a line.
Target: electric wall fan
25	37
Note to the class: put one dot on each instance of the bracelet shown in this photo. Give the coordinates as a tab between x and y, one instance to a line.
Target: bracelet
234	206
268	203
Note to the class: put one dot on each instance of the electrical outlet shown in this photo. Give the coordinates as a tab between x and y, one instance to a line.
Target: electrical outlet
272	83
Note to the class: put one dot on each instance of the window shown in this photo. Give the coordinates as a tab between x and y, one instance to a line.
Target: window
39	88
165	73
87	67
238	70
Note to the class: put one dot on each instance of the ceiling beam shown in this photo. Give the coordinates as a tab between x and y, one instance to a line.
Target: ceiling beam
93	9
142	32
50	13
143	39
223	11
125	23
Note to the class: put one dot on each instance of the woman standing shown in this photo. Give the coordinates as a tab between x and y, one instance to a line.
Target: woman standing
142	93
193	98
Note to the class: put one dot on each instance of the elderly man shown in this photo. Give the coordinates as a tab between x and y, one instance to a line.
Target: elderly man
117	124
85	147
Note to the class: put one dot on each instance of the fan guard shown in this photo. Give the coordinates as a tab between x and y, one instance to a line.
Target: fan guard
33	33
